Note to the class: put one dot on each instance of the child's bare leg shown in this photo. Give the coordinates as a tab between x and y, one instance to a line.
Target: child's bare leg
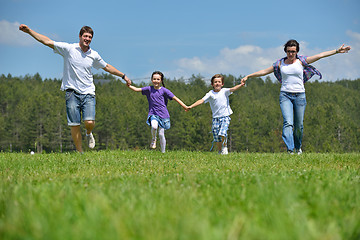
223	146
219	145
223	143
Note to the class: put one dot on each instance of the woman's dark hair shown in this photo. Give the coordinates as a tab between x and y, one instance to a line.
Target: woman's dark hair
86	29
161	75
292	43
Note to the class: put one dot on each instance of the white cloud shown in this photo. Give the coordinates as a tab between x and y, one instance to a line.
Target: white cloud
342	66
236	61
241	60
247	59
194	63
11	35
354	35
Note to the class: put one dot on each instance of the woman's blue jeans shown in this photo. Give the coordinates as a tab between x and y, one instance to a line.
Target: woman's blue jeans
292	108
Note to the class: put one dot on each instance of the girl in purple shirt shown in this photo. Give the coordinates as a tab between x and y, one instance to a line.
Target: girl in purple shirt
158	116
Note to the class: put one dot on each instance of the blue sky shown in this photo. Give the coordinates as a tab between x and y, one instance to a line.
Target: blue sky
181	38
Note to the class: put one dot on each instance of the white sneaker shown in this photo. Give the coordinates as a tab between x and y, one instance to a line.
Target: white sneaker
224	151
299	152
153	144
91	140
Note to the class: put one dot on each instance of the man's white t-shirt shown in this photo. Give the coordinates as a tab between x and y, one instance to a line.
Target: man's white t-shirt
77	73
219	102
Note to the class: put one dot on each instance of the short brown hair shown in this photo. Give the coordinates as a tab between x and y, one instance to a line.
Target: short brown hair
217	76
86	29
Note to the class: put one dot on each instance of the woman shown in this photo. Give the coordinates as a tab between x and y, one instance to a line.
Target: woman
292	72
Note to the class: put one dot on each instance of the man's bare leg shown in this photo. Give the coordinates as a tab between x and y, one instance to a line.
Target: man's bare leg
76	136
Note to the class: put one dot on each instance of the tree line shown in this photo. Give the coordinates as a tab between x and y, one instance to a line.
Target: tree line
33	116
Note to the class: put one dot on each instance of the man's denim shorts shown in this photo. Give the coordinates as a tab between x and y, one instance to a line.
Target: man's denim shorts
78	105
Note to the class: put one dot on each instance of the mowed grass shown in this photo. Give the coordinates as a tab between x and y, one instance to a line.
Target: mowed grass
179	195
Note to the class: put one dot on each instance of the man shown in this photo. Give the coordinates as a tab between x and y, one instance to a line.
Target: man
77	80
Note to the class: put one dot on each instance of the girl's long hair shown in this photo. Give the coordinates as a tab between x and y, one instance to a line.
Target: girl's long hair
161	75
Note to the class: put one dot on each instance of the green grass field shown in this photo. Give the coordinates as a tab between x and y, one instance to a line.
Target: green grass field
179	195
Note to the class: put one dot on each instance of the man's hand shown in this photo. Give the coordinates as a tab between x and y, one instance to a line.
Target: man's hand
24	28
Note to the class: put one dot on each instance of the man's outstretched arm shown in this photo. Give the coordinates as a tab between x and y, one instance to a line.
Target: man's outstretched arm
39	37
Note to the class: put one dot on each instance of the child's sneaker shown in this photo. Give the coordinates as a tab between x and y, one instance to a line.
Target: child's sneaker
224	151
91	140
153	144
299	152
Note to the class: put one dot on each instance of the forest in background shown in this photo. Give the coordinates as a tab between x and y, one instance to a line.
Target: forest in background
33	116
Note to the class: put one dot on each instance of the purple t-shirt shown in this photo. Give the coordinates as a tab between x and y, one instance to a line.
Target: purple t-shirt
158	99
